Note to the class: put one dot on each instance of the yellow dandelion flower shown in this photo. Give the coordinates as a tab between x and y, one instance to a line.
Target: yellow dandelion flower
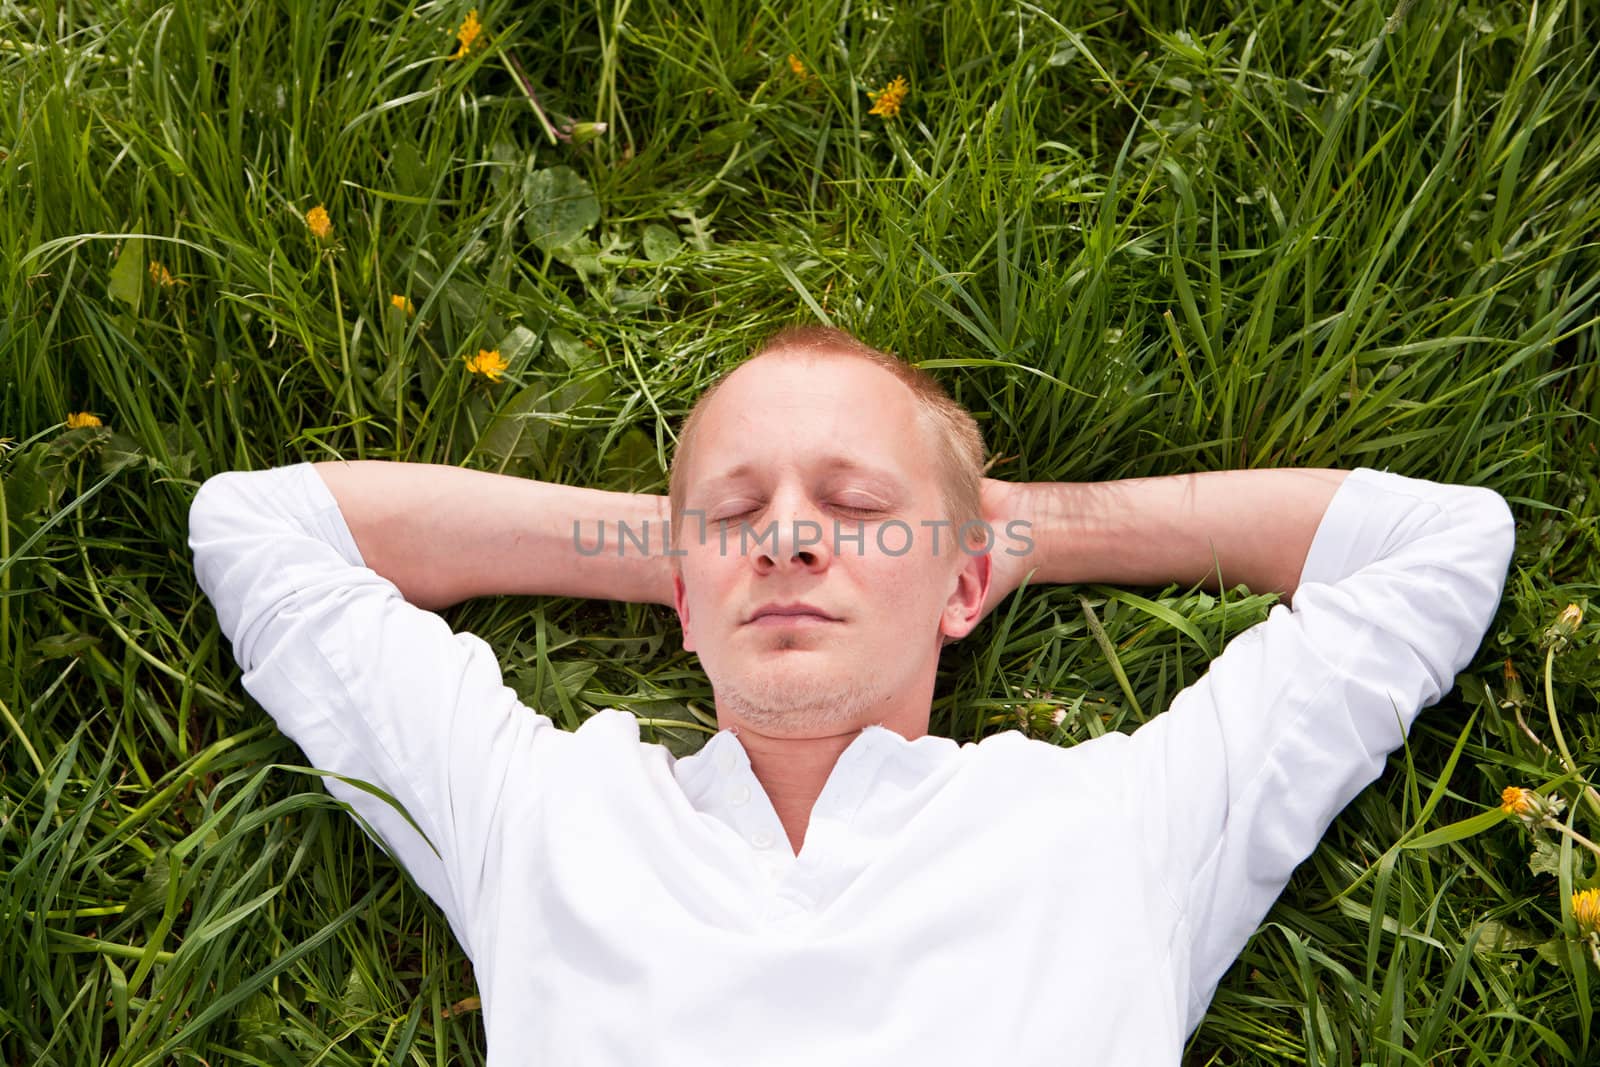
487	363
79	419
798	67
319	223
1514	800
468	34
403	303
886	101
1534	810
162	276
1586	910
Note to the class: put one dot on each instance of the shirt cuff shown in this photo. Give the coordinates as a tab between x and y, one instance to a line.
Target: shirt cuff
309	499
1363	514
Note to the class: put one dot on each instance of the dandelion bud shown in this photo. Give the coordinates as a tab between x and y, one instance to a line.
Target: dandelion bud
1515	696
584	132
1040	716
1561	632
1033	717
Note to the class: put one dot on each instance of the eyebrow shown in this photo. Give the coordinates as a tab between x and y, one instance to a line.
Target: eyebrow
829	463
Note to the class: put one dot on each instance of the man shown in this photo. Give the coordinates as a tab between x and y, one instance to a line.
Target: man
824	882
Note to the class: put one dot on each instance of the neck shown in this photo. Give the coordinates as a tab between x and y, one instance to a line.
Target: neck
793	770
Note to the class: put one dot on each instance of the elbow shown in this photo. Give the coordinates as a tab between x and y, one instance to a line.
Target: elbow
1492	515
204	504
1488	554
209	505
1506	525
209	522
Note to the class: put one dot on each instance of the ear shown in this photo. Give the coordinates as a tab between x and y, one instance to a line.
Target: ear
680	604
965	606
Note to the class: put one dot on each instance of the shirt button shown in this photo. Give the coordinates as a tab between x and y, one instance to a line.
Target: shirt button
761	839
738	794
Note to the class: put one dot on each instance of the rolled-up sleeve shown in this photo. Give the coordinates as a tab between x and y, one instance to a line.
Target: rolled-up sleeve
1237	782
371	687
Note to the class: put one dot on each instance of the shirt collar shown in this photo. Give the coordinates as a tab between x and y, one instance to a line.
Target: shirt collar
723	757
718	759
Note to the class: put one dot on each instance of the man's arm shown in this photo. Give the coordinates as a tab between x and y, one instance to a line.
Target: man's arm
446	534
1255	527
372	688
1233	785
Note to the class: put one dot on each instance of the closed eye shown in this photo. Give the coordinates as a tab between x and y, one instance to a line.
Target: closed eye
734	516
858	502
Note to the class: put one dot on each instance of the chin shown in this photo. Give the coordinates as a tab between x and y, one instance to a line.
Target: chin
798	697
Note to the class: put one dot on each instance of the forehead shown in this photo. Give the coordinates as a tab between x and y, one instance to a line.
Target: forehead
810	410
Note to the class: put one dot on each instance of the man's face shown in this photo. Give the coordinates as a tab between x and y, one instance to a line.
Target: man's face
791	449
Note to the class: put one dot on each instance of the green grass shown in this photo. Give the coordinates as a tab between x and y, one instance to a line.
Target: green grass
1135	240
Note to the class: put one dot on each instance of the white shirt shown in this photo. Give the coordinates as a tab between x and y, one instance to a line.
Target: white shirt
1006	901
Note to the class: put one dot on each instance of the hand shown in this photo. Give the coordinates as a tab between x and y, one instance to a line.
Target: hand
1002	503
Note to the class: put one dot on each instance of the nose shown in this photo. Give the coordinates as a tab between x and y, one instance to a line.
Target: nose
795	538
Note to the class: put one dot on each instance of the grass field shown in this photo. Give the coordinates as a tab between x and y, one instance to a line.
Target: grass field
1134	239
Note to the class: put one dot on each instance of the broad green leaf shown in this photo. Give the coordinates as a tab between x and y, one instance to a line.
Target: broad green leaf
631	464
660	243
572	351
560	207
1545	858
581	254
127	276
519	428
1496	936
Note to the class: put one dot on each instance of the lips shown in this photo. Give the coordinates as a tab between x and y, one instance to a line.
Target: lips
800	611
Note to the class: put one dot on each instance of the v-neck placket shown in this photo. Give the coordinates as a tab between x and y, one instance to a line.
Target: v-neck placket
723	784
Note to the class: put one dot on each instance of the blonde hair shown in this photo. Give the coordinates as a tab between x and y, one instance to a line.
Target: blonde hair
955	434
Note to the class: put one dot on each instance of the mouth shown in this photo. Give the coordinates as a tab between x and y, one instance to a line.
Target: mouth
789	615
